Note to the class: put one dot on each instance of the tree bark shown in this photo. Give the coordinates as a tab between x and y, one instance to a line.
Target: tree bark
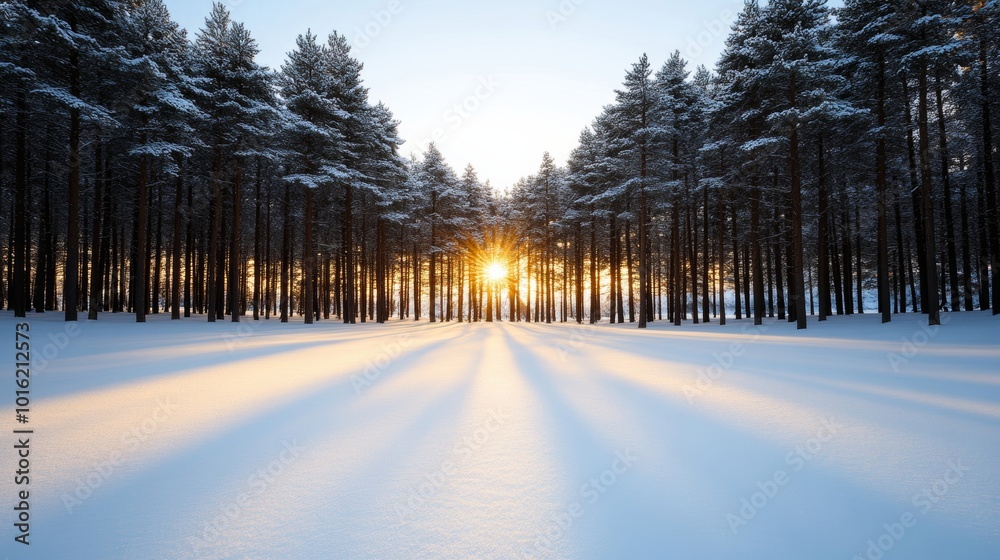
350	308
933	312
990	180
949	222
758	270
880	186
175	286
796	211
139	291
71	271
308	258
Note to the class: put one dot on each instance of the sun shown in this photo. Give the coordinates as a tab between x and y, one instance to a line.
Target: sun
496	272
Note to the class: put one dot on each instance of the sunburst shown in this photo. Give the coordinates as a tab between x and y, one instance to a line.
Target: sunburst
495	272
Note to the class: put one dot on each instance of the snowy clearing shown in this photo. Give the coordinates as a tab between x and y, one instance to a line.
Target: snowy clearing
261	440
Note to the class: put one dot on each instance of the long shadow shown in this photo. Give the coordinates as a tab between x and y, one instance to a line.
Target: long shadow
230	446
179	360
817	514
584	455
868	387
882	393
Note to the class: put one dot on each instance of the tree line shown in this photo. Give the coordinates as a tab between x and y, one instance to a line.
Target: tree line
831	154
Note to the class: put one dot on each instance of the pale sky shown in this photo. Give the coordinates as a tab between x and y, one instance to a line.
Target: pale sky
497	83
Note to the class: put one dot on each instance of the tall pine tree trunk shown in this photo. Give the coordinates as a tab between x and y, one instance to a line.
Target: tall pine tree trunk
822	238
933	314
348	241
71	272
758	271
308	258
796	202
900	256
989	178
722	257
880	187
949	222
286	255
258	260
235	254
175	287
595	292
140	263
216	226
916	201
97	267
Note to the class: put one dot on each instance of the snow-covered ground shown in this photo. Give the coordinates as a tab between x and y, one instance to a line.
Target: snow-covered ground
261	440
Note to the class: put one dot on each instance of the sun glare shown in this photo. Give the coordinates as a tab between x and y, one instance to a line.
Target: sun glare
496	272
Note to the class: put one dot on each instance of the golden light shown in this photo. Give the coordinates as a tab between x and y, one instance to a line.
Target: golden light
496	272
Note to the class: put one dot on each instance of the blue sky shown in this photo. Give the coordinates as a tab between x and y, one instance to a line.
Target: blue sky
495	83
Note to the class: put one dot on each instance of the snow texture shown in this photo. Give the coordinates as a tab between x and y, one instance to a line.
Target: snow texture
187	439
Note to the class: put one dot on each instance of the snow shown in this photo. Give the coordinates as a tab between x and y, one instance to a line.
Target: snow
187	439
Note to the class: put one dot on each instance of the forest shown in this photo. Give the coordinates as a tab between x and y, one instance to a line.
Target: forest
835	161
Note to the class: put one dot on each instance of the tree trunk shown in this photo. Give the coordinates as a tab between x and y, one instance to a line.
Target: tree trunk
722	257
736	265
213	244
966	242
882	248
705	259
416	284
822	242
988	175
308	258
432	272
235	253
629	263
45	245
949	222
258	260
758	271
158	253
692	235
796	211
139	265
916	200
643	258
286	243
857	246
348	242
847	252
933	312
595	293
71	271
900	257
175	295
97	266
